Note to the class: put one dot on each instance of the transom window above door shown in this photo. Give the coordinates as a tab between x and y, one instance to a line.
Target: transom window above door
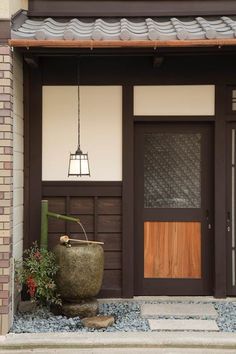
174	100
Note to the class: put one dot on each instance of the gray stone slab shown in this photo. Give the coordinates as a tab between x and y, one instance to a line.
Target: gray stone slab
183	325
180	310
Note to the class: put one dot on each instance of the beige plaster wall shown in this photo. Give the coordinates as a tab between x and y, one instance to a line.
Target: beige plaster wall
179	100
101	131
18	156
10	7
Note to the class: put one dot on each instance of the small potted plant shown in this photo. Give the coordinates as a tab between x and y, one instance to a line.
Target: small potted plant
36	273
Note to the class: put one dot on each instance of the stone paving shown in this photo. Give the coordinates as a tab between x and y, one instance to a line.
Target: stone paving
193	317
178	309
190	317
183	325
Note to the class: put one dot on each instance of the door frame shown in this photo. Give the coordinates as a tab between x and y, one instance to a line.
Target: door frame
231	289
219	120
173	286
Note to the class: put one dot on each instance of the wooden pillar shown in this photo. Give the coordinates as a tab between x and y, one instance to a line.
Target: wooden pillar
128	194
220	194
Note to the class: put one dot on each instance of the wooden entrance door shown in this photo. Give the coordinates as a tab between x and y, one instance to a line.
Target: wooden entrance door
173	209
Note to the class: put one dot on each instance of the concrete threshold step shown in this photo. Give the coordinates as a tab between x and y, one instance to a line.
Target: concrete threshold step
178	310
183	325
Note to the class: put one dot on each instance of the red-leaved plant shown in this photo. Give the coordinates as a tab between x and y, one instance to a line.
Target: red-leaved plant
37	272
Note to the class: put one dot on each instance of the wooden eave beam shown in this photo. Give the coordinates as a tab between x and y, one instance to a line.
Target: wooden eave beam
120	44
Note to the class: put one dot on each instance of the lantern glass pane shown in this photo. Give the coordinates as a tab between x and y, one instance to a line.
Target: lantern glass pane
84	166
74	166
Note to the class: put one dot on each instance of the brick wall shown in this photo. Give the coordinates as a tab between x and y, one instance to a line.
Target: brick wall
6	187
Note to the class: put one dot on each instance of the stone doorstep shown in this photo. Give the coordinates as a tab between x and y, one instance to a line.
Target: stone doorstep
183	325
178	309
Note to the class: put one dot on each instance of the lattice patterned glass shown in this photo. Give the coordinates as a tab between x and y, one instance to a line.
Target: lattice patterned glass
172	170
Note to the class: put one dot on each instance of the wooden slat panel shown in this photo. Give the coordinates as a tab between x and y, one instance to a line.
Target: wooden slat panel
112	260
109	223
111	241
81	236
109	205
55	225
57	205
82	205
111	279
104	220
86	220
172	250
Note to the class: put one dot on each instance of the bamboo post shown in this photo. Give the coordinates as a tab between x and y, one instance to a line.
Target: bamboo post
44	224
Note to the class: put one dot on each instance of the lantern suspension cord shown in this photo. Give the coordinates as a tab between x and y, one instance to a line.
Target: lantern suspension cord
78	87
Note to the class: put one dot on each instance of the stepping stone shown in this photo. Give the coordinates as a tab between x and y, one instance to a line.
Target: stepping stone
181	310
183	325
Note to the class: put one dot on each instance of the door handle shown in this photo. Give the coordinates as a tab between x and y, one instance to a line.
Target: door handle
209	226
228	221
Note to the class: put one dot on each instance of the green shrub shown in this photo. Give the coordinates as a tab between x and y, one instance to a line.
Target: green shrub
37	273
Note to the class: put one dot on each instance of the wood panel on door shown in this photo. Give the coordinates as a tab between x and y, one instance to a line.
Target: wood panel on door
173	209
172	249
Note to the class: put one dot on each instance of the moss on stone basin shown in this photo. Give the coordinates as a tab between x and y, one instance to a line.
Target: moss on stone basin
81	271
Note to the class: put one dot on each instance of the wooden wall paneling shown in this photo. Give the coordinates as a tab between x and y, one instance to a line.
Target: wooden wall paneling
112	279
112	241
101	216
86	220
81	205
172	250
110	205
112	260
57	205
109	223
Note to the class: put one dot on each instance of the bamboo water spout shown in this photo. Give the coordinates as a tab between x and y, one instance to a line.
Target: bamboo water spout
45	214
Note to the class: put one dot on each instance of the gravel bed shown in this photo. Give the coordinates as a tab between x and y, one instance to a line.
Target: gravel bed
126	314
127	318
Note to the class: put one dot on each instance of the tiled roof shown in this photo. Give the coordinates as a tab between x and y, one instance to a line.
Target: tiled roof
125	29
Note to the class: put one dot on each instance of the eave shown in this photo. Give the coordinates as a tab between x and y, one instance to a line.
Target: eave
90	44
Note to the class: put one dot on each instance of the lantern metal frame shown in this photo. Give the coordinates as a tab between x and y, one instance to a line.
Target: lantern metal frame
80	170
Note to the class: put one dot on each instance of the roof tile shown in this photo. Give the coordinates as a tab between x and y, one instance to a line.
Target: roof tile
126	29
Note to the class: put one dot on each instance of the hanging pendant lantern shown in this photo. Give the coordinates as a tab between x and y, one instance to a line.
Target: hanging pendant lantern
79	162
